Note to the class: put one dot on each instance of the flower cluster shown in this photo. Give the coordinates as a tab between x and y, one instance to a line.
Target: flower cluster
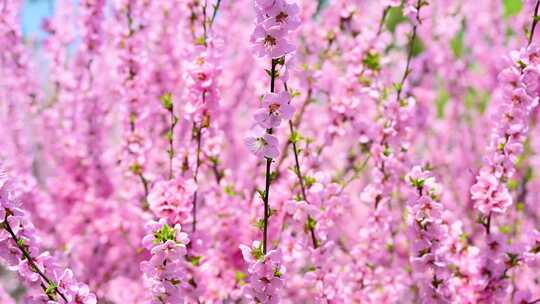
430	235
265	273
130	179
520	88
20	251
172	199
275	108
165	271
202	76
275	20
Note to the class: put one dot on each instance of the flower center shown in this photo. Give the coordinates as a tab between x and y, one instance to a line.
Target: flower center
269	40
274	107
516	99
201	76
534	58
282	17
262	142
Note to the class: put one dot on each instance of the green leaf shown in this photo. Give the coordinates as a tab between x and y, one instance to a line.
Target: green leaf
166	101
310	223
457	44
310	269
136	169
295	137
166	233
273	176
257	252
270	74
372	61
417	46
363	80
513	259
512	7
441	101
309	181
295	93
169	135
239	277
394	17
200	40
403	103
505	229
512	184
262	193
529	174
417	183
509	32
477	99
398	86
229	190
522	65
387	151
195	260
51	288
259	224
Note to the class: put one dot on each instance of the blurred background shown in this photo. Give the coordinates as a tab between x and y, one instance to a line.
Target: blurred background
33	14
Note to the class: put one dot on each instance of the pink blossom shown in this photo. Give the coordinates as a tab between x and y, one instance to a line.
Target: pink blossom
265	274
531	80
166	271
262	144
409	173
172	199
270	42
283	15
276	107
490	195
81	294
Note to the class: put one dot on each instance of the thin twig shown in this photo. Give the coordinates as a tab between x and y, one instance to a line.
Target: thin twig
534	22
381	22
144	182
204	21
302	186
214	14
198	137
268	176
410	52
26	255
